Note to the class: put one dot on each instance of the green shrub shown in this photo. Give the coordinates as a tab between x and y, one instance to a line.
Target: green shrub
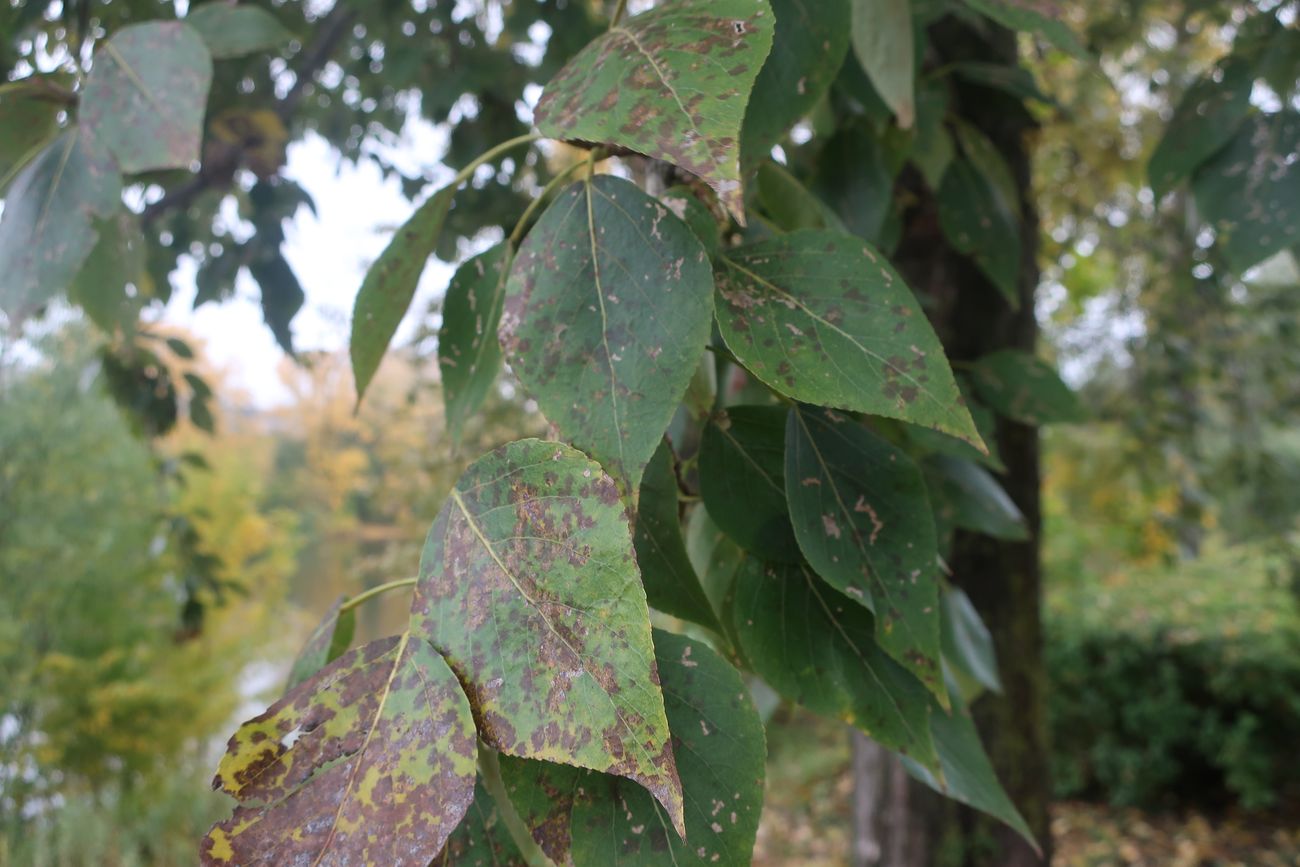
1177	687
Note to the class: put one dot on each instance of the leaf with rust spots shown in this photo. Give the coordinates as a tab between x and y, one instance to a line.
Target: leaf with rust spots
390	284
1025	388
371	762
822	318
671	83
814	646
671	584
1207	118
529	587
481	839
469	354
808	48
607	312
327	642
594	820
146	95
682	202
742	480
1043	17
863	520
48	229
1250	190
977	222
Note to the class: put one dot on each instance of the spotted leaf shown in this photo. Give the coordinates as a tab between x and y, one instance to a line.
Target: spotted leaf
862	517
327	642
671	83
814	646
595	820
529	587
607	312
371	762
978	223
822	318
481	840
146	95
1025	388
469	354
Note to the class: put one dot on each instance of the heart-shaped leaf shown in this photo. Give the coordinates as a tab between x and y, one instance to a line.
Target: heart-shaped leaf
862	517
469	353
822	318
147	94
814	646
370	762
607	313
671	83
529	587
1025	388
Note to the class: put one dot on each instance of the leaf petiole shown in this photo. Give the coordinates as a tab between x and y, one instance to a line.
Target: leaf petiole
376	591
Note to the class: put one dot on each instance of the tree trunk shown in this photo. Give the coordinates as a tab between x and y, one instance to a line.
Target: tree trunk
1003	579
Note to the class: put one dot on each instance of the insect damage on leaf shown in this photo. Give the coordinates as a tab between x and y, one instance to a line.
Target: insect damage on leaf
671	83
371	762
529	587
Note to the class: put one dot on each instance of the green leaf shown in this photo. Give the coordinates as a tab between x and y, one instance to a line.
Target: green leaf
390	284
988	160
1250	189
1207	118
933	149
977	223
742	480
608	308
813	645
690	210
822	318
1014	80
854	179
180	348
327	642
118	260
789	204
529	587
985	421
1034	16
714	556
968	650
670	581
883	42
469	354
808	48
968	775
1025	388
863	520
370	762
282	296
481	839
965	495
28	119
48	227
201	415
670	83
590	820
146	96
234	31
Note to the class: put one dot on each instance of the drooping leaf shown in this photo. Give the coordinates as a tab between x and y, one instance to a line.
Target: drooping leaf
118	260
822	318
1207	118
28	119
714	556
592	820
690	210
201	415
855	180
1014	80
742	480
529	587
791	205
988	160
964	495
985	421
372	761
234	31
1250	190
671	83
146	95
390	284
1043	17
968	775
808	48
883	42
862	518
328	641
670	581
469	354
282	296
933	149
607	312
481	839
977	223
968	646
48	227
1025	388
814	646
